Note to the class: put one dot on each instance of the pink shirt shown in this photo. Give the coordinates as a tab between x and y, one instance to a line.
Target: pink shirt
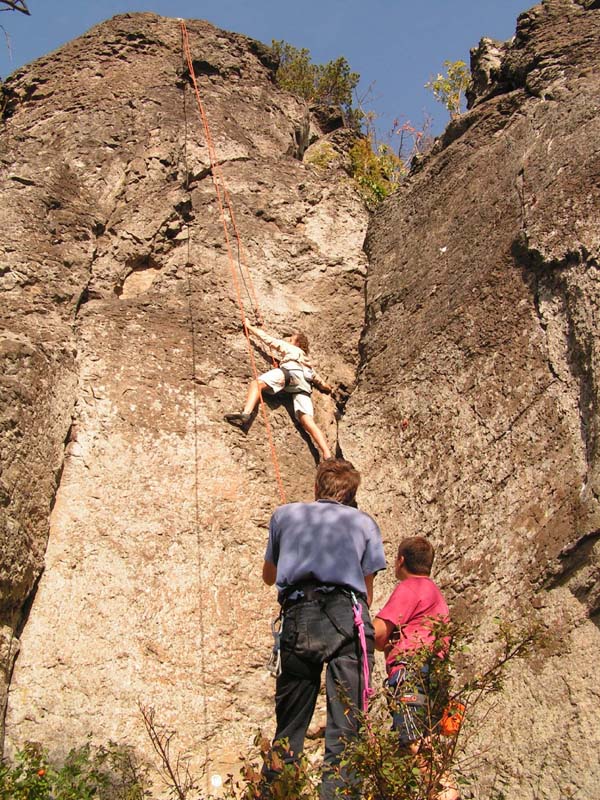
412	606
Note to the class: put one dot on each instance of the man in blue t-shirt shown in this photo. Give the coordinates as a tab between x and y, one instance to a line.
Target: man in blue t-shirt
320	555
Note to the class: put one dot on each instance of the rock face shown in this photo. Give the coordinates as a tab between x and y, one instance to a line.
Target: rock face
122	348
475	417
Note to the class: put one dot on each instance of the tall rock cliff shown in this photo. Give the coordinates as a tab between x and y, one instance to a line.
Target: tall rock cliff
477	413
474	419
122	349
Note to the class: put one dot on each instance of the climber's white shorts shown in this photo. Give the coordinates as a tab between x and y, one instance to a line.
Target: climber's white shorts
275	380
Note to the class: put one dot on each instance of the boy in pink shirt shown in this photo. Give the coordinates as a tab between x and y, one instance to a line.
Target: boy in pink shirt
405	624
405	629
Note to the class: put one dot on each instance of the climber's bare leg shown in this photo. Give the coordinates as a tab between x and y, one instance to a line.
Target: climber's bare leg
313	430
243	419
255	390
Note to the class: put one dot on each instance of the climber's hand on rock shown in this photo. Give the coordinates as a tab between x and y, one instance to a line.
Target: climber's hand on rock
340	394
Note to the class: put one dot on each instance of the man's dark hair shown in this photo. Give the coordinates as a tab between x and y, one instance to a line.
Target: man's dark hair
302	341
418	554
337	480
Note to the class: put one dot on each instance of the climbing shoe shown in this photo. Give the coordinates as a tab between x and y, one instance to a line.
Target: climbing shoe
239	420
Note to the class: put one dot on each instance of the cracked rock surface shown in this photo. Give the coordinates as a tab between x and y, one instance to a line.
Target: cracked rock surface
477	409
473	409
121	350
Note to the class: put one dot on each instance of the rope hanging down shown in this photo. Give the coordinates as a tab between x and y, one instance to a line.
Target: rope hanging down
197	515
224	204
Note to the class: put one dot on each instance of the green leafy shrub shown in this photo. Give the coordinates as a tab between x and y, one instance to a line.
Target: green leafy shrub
461	686
322	155
375	766
296	781
449	88
375	165
88	773
377	170
330	84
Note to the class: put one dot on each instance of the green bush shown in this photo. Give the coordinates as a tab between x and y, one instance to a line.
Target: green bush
322	155
459	685
375	766
88	773
375	166
377	170
449	88
330	84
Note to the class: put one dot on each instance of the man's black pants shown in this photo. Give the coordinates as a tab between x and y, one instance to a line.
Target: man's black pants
316	632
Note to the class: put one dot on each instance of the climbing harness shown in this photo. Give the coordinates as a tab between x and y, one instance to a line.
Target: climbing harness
403	685
226	210
413	713
410	713
308	592
367	690
296	380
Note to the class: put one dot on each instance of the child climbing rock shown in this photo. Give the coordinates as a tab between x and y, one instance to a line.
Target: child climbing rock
294	375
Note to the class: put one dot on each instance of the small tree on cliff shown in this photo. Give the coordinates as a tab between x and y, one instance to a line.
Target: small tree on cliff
449	88
377	166
330	84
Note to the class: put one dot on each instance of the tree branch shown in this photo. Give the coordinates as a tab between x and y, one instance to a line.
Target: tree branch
15	5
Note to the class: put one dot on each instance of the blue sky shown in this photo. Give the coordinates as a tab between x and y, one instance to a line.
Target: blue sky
395	45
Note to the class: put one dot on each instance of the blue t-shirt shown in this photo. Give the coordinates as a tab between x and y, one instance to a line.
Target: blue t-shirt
325	542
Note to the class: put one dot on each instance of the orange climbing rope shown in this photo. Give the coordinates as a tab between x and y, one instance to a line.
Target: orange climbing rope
224	203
